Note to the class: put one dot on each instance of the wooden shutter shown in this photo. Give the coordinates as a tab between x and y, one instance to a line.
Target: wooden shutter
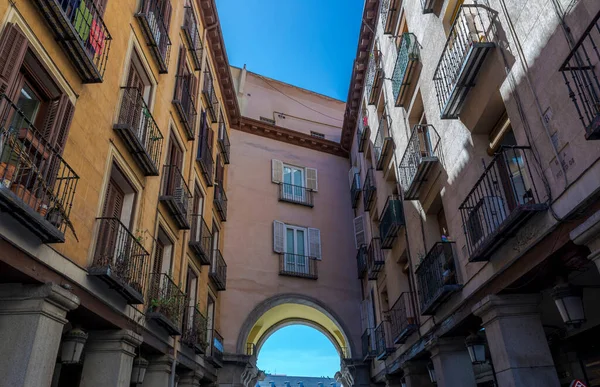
311	179
100	6
182	61
276	171
359	231
58	121
158	257
167	14
13	47
314	243
202	135
219	172
278	236
210	135
113	201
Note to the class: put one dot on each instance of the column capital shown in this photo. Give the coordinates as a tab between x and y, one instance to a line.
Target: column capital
160	364
114	341
510	305
414	367
190	379
446	345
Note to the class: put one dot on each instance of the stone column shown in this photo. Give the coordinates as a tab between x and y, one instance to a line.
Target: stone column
31	325
588	234
158	373
109	358
452	363
190	379
415	374
517	342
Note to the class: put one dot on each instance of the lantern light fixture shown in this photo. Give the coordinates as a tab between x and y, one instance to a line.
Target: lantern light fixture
138	371
569	302
476	348
72	346
431	372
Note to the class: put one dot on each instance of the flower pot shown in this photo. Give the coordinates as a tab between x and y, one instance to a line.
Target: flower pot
22	192
7	171
43	209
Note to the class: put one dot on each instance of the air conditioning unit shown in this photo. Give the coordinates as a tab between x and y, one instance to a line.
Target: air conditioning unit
484	219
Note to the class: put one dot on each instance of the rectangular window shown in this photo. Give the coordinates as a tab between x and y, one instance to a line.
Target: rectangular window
295	249
293	180
296	240
265	119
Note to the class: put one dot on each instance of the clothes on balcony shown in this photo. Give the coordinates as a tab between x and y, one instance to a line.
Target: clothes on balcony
97	38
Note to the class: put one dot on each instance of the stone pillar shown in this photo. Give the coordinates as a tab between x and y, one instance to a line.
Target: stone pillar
109	358
239	371
158	373
517	342
354	373
452	363
190	379
415	374
588	234
31	325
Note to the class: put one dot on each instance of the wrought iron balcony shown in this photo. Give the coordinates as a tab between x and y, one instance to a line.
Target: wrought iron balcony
200	239
37	186
192	35
185	103
403	319
218	270
369	190
209	94
80	31
389	11
405	69
295	265
216	349
361	261
581	68
195	332
502	199
369	347
428	5
437	276
176	195
139	131
375	259
419	158
363	132
223	140
295	194
220	201
374	77
470	39
151	19
392	220
165	303
384	144
120	260
383	345
355	189
204	156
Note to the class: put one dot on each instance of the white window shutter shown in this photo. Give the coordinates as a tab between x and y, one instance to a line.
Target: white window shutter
359	231
311	179
276	171
278	236
352	176
314	242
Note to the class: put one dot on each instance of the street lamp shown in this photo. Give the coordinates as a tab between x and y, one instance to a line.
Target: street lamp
569	301
431	372
72	346
403	382
476	348
139	370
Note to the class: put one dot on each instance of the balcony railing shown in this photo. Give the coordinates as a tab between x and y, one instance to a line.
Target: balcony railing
79	29
383	345
374	77
220	200
204	157
403	319
209	94
369	347
194	334
428	5
176	195
375	258
405	68
355	189
192	35
420	156
437	276
185	103
216	348
165	303
218	270
295	265
384	144
361	261
392	220
503	198
363	132
120	260
470	39
581	71
200	239
37	186
223	141
139	131
295	194
155	32
369	190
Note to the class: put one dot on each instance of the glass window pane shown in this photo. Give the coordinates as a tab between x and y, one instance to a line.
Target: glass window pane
300	242
289	240
298	180
287	175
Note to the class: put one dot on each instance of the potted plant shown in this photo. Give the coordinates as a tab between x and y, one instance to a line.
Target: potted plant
9	159
55	216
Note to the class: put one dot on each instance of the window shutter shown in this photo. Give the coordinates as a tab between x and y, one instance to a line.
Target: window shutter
276	171
311	179
13	46
364	312
182	61
314	243
352	175
370	313
64	123
359	231
202	134
167	14
278	236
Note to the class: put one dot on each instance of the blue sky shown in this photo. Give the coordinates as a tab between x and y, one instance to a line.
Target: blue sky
299	350
307	43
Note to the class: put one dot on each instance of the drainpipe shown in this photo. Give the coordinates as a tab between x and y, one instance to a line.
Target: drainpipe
172	379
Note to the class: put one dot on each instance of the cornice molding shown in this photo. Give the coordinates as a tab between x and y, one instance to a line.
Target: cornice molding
264	129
